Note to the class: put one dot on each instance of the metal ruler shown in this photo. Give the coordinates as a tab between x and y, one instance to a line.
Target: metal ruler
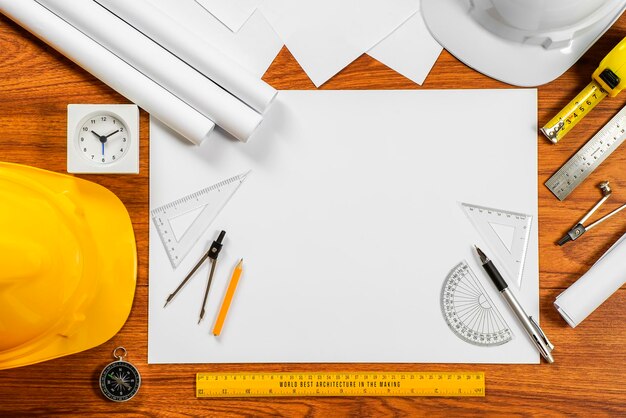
248	385
589	157
204	205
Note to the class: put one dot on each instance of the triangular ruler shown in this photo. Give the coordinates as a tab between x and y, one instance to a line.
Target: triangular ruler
178	234
469	311
506	234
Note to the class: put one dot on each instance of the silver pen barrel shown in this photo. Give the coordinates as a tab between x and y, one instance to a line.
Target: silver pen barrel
535	335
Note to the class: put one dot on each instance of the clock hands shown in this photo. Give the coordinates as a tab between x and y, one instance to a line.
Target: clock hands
104	138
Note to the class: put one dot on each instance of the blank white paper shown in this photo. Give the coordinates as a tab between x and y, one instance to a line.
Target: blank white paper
232	13
325	36
348	225
410	50
254	47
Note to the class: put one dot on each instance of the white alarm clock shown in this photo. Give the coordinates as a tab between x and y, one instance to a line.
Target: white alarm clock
102	138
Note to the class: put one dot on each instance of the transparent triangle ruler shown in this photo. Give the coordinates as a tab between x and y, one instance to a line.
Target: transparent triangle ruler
506	234
205	204
468	310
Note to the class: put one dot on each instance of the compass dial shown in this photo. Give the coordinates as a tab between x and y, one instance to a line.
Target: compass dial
119	381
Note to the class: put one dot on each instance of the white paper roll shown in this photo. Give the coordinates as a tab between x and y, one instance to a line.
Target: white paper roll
139	51
189	47
108	68
589	292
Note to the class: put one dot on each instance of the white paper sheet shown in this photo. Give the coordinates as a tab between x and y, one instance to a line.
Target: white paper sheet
254	47
232	13
410	50
348	225
326	35
110	69
603	279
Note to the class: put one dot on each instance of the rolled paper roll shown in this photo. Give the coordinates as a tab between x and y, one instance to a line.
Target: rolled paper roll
589	292
110	69
196	52
156	63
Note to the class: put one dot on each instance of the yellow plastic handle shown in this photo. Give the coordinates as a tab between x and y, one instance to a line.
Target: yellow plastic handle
614	62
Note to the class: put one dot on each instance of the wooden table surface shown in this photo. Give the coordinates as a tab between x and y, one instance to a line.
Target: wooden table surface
37	83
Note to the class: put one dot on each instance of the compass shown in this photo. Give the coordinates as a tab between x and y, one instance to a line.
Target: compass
119	380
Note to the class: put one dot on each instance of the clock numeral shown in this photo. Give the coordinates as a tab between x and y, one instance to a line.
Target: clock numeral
93	121
84	149
123	139
113	157
92	157
85	128
103	160
82	139
114	121
122	129
103	118
122	150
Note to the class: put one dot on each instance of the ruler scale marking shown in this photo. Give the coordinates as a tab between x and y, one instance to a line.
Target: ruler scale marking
231	385
211	199
589	157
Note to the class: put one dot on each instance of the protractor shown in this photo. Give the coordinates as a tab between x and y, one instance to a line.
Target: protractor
469	311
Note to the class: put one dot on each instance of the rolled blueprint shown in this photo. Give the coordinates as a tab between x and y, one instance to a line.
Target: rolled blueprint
602	280
108	68
189	47
156	63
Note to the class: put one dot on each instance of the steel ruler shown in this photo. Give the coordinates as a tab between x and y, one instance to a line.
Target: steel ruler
246	385
589	157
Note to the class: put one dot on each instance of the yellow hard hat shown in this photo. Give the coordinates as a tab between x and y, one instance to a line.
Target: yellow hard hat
69	265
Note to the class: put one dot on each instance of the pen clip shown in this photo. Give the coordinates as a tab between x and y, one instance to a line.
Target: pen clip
541	333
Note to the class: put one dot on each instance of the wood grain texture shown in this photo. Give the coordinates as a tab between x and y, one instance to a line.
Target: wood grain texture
36	84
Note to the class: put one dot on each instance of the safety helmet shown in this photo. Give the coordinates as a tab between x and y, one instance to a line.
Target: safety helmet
69	265
520	42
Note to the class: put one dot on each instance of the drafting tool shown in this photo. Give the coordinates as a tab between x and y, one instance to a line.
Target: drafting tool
468	310
228	297
579	229
208	201
506	233
249	385
212	253
607	79
589	157
532	328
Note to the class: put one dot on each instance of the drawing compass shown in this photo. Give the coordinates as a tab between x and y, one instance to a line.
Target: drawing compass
211	254
579	229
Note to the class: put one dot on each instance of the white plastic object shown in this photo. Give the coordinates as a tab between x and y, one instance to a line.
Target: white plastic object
520	42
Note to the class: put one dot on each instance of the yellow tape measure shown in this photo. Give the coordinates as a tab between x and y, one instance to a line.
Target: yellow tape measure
607	80
247	385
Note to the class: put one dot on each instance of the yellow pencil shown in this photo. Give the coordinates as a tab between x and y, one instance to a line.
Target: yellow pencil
228	297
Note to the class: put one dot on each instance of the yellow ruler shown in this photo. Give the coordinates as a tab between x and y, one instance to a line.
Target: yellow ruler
247	385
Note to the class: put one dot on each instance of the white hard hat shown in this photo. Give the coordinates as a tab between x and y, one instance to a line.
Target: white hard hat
520	42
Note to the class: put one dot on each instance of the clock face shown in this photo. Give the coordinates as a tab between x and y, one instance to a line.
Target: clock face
119	381
103	138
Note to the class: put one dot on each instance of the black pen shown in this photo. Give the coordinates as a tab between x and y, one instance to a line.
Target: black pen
531	327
